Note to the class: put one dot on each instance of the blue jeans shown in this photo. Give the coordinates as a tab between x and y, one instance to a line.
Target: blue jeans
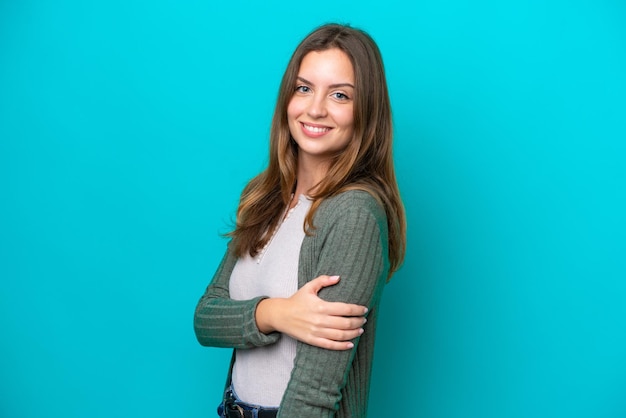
231	397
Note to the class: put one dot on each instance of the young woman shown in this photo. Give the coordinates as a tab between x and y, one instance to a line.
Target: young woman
318	234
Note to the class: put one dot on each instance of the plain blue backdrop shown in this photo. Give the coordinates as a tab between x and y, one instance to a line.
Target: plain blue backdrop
128	128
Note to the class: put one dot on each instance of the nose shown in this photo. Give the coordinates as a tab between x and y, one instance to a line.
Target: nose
317	107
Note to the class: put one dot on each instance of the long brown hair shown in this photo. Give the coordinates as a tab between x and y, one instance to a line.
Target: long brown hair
365	164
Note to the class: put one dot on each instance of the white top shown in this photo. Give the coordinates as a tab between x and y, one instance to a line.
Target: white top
261	374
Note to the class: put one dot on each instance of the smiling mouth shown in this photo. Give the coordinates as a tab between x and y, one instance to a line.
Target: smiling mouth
315	129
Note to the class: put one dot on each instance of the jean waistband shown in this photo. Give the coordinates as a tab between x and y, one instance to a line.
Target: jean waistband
233	407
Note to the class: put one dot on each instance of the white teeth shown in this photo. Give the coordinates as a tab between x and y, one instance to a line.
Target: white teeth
315	129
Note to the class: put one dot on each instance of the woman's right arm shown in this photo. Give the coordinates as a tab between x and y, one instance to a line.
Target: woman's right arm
220	321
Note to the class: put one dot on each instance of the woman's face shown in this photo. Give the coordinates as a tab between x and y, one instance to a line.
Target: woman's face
320	113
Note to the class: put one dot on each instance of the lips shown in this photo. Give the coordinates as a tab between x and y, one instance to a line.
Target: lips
314	130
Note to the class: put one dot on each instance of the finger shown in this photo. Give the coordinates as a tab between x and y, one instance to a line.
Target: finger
344	323
331	345
339	335
342	309
322	281
337	322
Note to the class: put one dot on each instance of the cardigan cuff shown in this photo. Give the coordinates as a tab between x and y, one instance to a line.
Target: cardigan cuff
251	334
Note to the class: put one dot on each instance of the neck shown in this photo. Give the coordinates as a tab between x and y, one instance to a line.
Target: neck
310	173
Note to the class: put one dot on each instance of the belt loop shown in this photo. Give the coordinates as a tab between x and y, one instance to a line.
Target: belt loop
240	410
231	408
234	411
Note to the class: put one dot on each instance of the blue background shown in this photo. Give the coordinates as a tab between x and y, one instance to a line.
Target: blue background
128	128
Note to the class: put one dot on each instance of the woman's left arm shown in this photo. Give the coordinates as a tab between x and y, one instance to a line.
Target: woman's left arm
354	245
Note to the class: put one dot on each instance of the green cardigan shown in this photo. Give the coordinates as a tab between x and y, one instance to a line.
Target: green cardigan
350	240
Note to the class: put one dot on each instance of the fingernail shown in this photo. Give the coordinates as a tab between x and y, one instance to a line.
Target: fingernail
361	331
334	277
365	311
350	345
364	321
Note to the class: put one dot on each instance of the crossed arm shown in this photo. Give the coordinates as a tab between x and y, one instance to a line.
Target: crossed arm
222	322
326	315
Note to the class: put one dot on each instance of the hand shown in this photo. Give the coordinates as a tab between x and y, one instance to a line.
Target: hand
310	319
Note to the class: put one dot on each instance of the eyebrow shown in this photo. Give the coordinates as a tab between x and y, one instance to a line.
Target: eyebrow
332	86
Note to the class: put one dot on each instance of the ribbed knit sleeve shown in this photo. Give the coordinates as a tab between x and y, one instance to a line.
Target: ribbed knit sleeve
350	240
222	322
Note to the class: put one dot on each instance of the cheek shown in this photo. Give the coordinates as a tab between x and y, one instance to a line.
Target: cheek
293	109
346	119
292	114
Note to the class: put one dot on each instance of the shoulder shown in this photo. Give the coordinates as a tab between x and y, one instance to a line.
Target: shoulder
350	204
